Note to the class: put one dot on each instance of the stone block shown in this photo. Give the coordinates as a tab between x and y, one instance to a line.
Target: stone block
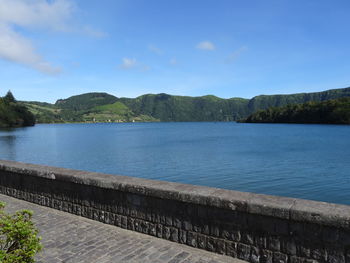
102	215
225	234
231	249
243	251
152	229
280	257
155	218
266	256
131	224
166	232
149	216
201	241
220	246
196	227
174	234
144	227
274	243
303	251
248	238
214	230
124	222
255	255
295	259
168	220
289	247
335	256
192	239
95	214
177	222
186	225
182	237
111	218
133	213
235	235
140	213
205	229
118	220
211	244
159	228
260	242
319	254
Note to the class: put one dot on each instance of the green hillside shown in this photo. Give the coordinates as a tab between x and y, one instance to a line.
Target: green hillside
86	101
14	114
103	107
335	111
181	108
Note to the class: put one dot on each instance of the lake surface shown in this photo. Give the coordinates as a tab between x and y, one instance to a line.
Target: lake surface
304	161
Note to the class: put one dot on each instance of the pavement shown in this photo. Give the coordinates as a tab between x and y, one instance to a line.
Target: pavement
70	238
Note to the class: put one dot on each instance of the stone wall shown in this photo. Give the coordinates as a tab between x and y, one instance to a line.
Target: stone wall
252	227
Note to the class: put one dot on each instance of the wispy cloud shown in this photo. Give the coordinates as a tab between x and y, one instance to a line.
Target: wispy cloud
54	15
15	48
155	49
128	63
173	61
37	13
205	45
235	54
92	32
132	63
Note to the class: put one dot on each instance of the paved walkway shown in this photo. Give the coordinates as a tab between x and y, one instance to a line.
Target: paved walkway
70	238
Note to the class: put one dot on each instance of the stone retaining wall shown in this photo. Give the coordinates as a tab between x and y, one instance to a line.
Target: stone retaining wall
252	227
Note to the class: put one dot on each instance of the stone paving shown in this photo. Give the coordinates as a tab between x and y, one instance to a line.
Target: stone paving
70	238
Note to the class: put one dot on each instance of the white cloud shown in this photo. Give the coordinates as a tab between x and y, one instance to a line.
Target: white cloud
206	45
235	54
133	64
37	13
128	63
155	49
52	15
16	48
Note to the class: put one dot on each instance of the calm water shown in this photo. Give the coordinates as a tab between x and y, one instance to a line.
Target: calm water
305	161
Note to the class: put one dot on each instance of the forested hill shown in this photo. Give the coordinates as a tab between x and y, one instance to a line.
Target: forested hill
164	107
335	111
14	114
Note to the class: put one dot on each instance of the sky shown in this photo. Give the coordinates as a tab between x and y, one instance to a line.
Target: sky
53	49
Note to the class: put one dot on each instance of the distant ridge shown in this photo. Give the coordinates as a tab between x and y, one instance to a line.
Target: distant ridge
103	107
335	111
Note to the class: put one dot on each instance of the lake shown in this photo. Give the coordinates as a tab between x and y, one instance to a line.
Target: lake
303	161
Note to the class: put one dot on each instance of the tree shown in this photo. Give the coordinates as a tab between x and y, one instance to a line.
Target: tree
19	241
9	97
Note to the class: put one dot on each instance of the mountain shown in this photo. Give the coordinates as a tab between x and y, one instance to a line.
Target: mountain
14	114
164	107
86	101
264	102
335	111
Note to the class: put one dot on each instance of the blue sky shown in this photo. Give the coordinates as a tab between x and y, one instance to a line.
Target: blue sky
229	48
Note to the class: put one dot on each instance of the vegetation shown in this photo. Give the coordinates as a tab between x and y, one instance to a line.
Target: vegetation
19	241
14	114
103	107
335	111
